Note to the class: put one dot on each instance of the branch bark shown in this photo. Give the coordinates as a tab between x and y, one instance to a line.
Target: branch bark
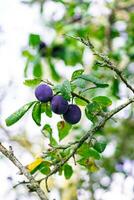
107	62
89	135
33	184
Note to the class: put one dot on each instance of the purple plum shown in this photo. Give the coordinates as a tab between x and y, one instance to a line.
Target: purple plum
59	105
43	93
73	114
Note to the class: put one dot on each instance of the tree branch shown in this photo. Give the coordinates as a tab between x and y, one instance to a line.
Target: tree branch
34	185
105	59
89	135
108	63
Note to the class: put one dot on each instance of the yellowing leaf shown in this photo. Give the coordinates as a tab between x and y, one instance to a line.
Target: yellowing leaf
34	164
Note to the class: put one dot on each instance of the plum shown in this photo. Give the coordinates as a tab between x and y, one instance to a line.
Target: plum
42	48
43	93
59	105
73	114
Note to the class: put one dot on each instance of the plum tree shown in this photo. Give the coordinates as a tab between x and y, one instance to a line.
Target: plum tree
43	93
59	105
73	114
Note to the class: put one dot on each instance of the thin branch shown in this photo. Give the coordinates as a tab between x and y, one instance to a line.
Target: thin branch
89	135
34	185
108	63
73	93
105	59
80	97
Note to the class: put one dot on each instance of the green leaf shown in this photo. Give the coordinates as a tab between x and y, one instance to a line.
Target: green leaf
115	87
102	101
47	132
55	75
12	119
34	40
80	102
65	153
63	129
100	145
86	151
91	111
80	83
36	113
66	90
94	80
89	164
83	162
57	88
68	171
44	168
32	82
76	74
45	107
28	55
37	70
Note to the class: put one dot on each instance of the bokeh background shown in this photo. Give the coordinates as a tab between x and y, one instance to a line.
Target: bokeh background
109	25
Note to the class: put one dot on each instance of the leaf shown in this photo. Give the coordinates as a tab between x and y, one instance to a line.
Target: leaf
86	151
80	102
12	119
94	80
55	75
32	82
45	107
36	113
37	70
63	129
44	168
93	168
76	74
66	90
32	166
53	142
103	101
34	40
68	171
100	145
91	111
83	162
57	88
28	55
65	153
80	83
47	132
89	164
115	87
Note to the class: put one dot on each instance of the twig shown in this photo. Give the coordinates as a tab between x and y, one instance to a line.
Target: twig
105	59
34	185
90	135
80	97
73	93
108	63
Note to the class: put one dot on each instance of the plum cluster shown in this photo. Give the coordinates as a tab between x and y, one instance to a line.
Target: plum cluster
71	112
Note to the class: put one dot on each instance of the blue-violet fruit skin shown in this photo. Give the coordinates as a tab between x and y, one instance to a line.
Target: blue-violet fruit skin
43	93
73	114
59	105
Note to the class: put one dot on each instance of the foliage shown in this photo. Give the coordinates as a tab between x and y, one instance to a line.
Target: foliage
93	87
